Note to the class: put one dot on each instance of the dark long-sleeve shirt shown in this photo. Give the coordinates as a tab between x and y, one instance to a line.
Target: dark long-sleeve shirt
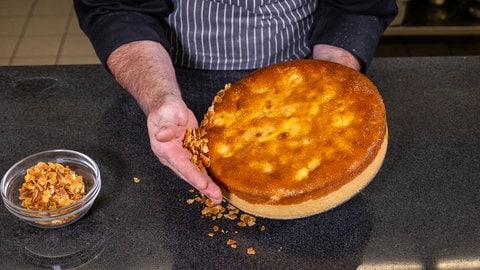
282	30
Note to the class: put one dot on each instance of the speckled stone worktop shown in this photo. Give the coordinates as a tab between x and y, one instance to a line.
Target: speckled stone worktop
420	212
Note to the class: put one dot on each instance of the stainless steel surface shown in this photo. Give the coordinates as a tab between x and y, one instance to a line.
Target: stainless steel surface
472	7
436	17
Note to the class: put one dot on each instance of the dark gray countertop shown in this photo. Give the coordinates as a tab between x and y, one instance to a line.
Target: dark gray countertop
420	212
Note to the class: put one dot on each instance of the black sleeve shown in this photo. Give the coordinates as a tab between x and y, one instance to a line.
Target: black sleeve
354	25
109	24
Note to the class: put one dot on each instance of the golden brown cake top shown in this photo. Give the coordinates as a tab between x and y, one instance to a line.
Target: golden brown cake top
293	131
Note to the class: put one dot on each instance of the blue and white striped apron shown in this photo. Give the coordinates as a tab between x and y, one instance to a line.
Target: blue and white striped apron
239	34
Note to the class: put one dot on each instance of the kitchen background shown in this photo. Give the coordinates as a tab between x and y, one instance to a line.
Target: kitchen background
46	32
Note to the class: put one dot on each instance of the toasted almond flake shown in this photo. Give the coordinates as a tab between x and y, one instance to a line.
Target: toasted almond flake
50	186
248	219
209	203
231	216
218	211
196	143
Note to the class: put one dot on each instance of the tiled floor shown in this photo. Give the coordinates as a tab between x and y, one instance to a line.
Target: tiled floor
46	32
42	32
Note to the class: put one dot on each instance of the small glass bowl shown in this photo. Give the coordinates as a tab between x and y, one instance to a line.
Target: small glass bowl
80	163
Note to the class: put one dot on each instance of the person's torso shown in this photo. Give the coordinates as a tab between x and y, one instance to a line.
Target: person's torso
239	34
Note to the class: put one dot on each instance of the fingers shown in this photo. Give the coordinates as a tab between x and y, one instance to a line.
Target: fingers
172	154
199	180
204	185
166	127
337	55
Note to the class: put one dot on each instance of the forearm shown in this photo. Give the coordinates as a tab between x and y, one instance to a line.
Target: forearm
145	70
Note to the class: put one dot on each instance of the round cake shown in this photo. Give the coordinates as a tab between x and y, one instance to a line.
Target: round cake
294	139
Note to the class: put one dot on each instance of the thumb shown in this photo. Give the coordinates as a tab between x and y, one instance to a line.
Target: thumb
166	131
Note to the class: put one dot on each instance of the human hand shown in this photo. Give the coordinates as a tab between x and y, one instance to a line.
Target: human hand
167	125
337	55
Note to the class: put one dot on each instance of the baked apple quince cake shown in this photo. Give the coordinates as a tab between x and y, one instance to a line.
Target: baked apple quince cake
292	139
